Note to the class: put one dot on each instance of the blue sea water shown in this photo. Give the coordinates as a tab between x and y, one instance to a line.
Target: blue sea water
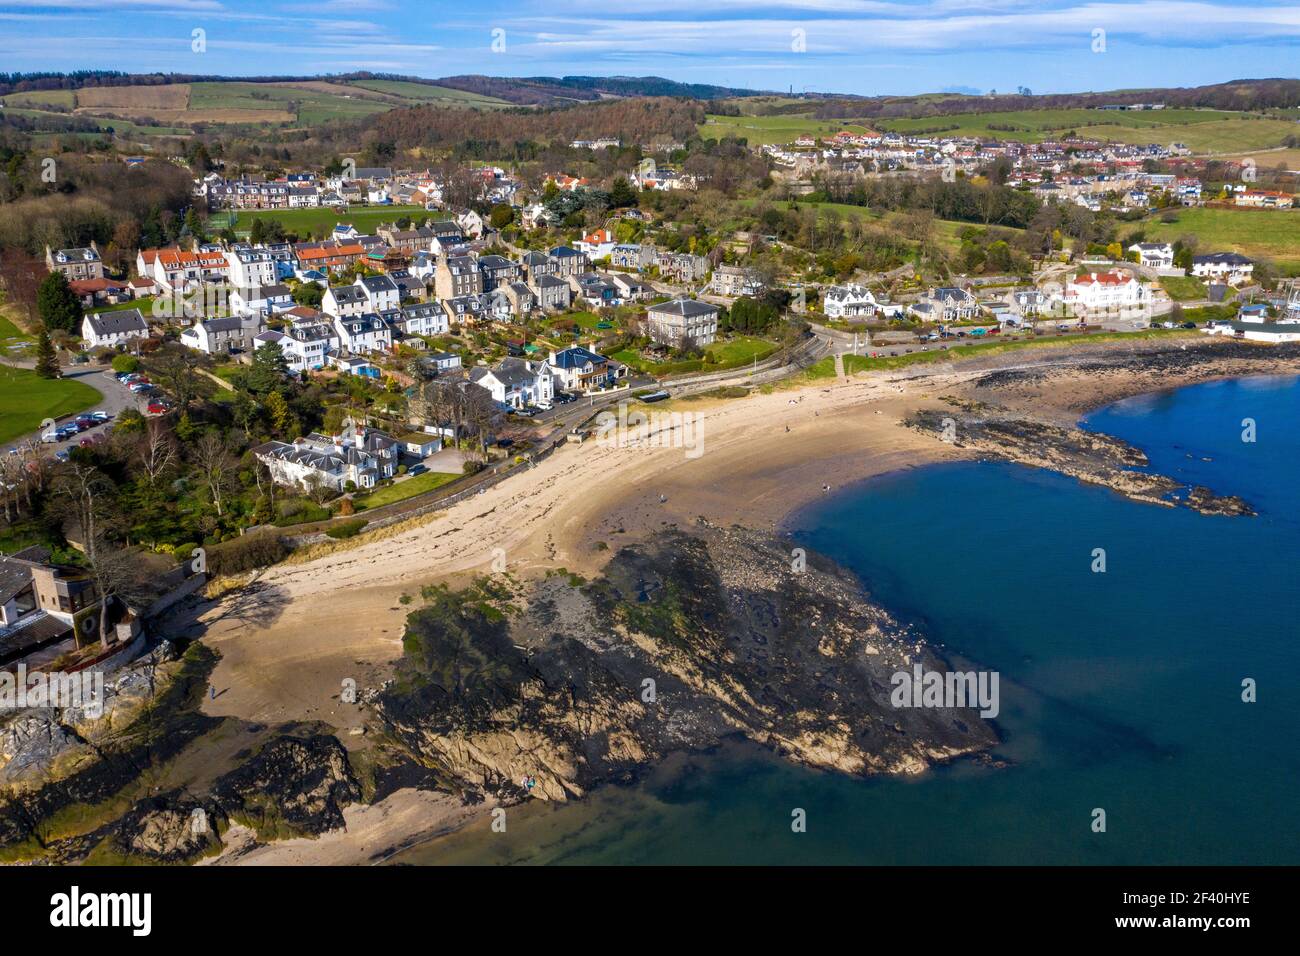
1120	690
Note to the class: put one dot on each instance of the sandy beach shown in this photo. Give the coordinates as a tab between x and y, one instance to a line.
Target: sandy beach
288	641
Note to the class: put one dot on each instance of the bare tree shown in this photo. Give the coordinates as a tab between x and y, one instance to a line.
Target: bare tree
177	370
116	573
213	460
155	450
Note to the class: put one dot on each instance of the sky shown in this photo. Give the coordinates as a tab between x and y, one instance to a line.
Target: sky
868	47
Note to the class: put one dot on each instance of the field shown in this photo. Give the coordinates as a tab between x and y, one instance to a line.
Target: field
1257	233
761	130
28	400
423	92
321	221
1202	131
1183	288
290	103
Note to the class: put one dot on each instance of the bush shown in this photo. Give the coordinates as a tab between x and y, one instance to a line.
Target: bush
471	467
125	363
247	552
347	529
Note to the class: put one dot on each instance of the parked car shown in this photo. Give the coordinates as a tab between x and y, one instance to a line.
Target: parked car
416	470
1189	325
563	398
101	416
61	455
157	408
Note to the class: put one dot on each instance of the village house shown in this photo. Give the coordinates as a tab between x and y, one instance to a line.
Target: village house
265	299
113	328
224	335
1229	267
516	382
463	309
361	456
569	261
580	370
363	333
848	301
683	322
247	267
306	346
498	271
177	270
381	293
1155	255
1106	290
636	256
736	281
457	276
426	318
75	263
345	300
552	292
39	605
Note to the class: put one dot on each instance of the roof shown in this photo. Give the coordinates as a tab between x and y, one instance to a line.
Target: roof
1222	259
118	322
686	308
576	357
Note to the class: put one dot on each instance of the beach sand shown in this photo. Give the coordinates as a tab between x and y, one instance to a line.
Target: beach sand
288	642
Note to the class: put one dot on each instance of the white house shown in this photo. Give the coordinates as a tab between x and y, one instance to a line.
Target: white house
848	301
381	293
345	300
113	328
580	370
364	333
250	267
1106	290
424	319
1227	267
363	457
1156	255
516	382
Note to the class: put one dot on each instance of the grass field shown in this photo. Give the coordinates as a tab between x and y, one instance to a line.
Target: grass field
1183	288
1270	234
26	400
424	92
761	130
409	488
322	221
1200	130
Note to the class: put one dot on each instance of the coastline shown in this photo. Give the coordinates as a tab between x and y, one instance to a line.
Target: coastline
752	472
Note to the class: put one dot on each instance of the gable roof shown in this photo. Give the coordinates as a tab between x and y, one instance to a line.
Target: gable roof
118	322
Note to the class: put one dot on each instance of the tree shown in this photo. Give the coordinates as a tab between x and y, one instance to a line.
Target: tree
176	368
214	463
268	370
309	294
621	194
47	358
155	451
502	216
58	305
282	417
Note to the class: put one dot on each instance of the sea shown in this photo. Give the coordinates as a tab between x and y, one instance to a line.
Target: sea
1149	665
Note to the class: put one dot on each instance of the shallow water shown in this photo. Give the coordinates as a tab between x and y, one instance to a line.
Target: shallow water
1119	690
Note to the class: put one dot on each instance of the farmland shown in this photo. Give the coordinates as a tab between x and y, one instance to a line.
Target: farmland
1202	131
288	103
1260	234
761	130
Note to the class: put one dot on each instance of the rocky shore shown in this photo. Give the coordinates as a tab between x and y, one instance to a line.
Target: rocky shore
1093	458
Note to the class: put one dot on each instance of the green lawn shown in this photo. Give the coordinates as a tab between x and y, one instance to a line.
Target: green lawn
1183	288
407	488
26	400
322	221
739	350
1269	234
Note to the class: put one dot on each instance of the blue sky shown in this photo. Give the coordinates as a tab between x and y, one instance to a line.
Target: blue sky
855	46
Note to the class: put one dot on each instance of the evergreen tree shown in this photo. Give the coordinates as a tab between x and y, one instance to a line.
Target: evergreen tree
268	370
58	305
47	358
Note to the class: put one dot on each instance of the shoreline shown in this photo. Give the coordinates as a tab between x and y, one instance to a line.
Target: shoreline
842	432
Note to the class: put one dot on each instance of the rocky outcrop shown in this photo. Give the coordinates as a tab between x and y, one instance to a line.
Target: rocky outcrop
1090	457
685	640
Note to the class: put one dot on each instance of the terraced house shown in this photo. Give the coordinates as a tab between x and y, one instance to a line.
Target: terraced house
361	456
